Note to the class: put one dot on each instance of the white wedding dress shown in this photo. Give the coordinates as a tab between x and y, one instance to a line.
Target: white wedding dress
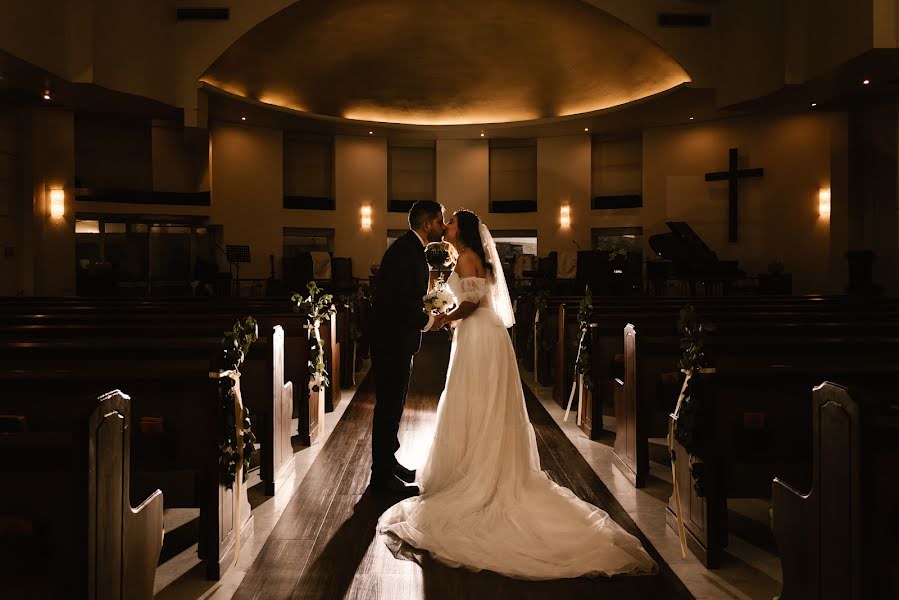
485	503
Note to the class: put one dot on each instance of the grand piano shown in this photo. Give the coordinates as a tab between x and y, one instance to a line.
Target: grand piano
685	257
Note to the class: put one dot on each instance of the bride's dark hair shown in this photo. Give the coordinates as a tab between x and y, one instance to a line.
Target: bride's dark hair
470	234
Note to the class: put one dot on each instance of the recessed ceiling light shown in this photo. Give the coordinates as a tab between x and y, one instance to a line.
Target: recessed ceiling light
586	129
866	82
46	94
371	133
814	104
691	118
482	134
243	118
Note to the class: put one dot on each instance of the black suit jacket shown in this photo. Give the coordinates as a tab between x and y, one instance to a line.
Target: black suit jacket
400	284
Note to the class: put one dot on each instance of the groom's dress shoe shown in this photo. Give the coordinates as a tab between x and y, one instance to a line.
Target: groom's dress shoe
407	475
394	485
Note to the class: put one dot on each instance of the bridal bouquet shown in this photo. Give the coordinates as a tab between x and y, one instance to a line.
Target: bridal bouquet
439	299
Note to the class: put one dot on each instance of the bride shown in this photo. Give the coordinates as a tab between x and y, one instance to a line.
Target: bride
485	503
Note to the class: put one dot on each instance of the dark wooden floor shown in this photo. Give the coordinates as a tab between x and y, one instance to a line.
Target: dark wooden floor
325	544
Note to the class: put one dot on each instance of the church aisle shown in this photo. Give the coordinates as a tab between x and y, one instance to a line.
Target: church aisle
325	544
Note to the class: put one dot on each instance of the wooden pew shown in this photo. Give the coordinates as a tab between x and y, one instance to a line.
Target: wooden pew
266	394
331	344
182	459
554	365
652	382
741	460
608	347
173	318
566	348
72	486
836	541
547	341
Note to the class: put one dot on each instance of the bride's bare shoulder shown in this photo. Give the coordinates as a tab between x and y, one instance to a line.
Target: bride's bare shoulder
469	265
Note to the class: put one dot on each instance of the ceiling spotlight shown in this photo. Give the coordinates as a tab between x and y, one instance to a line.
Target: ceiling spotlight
482	134
243	118
371	133
586	129
866	82
691	118
814	104
46	94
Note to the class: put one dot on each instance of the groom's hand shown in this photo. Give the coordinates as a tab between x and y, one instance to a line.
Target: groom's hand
439	322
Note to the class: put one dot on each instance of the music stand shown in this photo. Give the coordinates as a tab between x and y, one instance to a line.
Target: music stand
237	254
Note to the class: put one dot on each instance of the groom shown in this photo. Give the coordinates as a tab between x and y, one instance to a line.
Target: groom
398	320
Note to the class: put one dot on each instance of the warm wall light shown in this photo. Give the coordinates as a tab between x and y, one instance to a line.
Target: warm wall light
365	213
565	216
57	204
824	202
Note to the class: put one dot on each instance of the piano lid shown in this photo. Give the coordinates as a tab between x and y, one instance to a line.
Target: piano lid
691	256
682	244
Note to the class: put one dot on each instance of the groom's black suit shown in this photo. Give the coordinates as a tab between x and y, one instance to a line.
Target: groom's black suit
398	319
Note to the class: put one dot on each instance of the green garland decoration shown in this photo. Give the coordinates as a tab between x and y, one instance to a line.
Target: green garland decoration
541	300
355	302
235	345
583	365
691	417
317	306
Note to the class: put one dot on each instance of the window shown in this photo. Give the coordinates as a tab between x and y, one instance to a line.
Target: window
411	175
143	255
617	173
308	173
513	176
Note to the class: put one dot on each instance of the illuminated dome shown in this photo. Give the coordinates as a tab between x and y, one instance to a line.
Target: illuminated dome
444	62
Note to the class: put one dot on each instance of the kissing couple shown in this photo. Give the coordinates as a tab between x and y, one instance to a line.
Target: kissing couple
481	501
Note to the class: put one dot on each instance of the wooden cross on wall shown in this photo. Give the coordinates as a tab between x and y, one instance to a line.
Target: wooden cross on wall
732	176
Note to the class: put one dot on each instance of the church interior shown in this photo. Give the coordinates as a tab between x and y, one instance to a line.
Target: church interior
712	185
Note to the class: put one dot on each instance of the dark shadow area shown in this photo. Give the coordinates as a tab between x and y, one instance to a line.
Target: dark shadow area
331	573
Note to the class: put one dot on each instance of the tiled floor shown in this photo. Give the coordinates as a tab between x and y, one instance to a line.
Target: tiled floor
747	571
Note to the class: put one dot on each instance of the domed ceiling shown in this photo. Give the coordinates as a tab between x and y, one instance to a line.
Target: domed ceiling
444	62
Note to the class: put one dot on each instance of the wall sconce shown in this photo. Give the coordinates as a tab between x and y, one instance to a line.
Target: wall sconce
824	202
565	216
57	204
365	213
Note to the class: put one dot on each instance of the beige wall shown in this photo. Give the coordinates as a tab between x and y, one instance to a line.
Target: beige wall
247	191
113	153
20	20
752	50
48	159
180	158
463	175
10	206
778	214
825	33
360	167
564	172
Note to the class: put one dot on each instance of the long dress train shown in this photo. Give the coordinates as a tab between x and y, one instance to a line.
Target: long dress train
485	503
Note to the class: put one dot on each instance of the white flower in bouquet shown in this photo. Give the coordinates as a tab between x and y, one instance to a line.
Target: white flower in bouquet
439	299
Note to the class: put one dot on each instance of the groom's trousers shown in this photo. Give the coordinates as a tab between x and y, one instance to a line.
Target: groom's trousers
391	371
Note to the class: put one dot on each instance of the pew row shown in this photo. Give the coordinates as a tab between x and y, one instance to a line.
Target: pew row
756	426
68	489
841	539
176	419
173	318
